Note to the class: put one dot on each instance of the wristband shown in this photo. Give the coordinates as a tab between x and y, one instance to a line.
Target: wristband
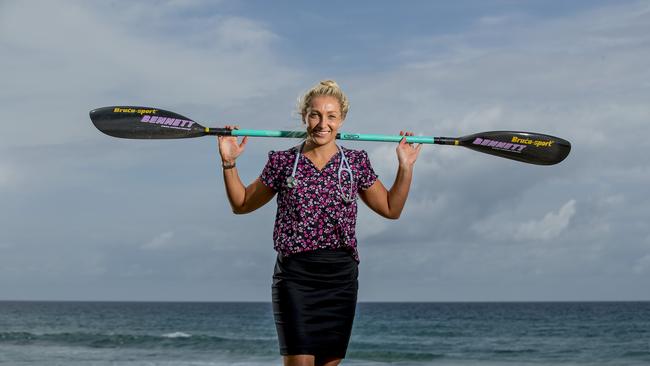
228	166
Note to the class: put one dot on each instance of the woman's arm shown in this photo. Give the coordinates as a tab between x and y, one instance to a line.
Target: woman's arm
389	203
245	199
242	199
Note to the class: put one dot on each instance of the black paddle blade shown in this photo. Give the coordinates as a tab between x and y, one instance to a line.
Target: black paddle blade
144	123
527	147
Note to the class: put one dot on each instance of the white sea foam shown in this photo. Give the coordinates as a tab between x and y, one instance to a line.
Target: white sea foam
177	335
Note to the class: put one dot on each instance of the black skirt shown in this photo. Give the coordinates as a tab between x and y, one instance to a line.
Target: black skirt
314	300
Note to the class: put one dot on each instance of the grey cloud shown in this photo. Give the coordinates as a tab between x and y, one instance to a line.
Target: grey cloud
579	223
92	60
78	207
548	227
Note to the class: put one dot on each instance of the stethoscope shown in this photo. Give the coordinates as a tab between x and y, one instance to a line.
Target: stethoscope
344	167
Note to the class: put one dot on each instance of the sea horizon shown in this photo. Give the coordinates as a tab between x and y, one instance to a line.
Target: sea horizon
359	302
215	333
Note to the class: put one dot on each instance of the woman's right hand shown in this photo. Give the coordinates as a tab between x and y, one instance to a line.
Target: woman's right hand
229	148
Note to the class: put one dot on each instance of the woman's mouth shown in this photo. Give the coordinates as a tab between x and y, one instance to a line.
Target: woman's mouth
320	133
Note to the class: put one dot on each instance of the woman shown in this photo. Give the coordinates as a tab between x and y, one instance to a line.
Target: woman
317	182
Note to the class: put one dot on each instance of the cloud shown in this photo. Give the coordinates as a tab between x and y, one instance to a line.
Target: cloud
576	77
507	226
94	59
160	241
550	226
7	175
495	20
475	226
642	265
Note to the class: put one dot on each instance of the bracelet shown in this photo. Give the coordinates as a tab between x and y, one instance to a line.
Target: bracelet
228	166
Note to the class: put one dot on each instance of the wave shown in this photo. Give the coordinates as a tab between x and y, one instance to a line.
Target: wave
175	340
176	335
394	356
504	351
199	342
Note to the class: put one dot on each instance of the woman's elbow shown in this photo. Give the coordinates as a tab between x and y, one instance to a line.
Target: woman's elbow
240	210
387	213
392	215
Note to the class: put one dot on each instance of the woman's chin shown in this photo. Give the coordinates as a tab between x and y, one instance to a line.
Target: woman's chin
322	140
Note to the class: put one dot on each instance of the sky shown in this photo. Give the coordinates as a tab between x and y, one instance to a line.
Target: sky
84	216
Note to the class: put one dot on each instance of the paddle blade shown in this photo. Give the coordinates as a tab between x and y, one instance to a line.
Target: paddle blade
527	147
144	123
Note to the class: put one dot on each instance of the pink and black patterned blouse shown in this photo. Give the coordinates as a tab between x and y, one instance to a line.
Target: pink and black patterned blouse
313	214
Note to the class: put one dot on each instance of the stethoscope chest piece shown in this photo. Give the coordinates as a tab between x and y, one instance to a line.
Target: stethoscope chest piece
291	182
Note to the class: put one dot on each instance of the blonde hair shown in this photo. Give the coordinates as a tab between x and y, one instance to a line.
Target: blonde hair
325	87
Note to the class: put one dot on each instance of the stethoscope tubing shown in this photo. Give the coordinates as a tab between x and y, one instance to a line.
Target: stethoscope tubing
344	166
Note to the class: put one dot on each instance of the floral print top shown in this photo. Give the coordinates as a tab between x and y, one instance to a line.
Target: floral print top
313	214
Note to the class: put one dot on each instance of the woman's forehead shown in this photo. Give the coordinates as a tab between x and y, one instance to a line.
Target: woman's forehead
325	103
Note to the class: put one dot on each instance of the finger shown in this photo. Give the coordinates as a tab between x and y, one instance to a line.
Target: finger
406	133
244	141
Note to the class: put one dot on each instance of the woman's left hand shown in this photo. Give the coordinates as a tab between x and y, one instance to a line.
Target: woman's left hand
407	153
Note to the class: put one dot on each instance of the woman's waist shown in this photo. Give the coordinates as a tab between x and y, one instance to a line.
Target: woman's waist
329	261
322	265
325	253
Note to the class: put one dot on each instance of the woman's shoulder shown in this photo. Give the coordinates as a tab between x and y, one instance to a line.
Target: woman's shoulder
355	155
279	156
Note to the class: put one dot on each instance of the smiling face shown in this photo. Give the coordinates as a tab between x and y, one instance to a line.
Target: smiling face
323	119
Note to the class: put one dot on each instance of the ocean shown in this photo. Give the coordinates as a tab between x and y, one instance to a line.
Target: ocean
231	333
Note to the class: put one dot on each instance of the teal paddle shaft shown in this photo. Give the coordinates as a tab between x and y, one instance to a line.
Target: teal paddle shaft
340	136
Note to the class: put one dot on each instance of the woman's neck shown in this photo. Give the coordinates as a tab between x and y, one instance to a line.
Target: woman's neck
320	151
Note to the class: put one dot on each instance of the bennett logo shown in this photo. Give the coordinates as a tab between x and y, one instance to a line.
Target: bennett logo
499	145
351	136
166	121
133	110
536	143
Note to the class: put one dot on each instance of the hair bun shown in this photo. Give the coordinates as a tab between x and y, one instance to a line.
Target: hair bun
329	83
